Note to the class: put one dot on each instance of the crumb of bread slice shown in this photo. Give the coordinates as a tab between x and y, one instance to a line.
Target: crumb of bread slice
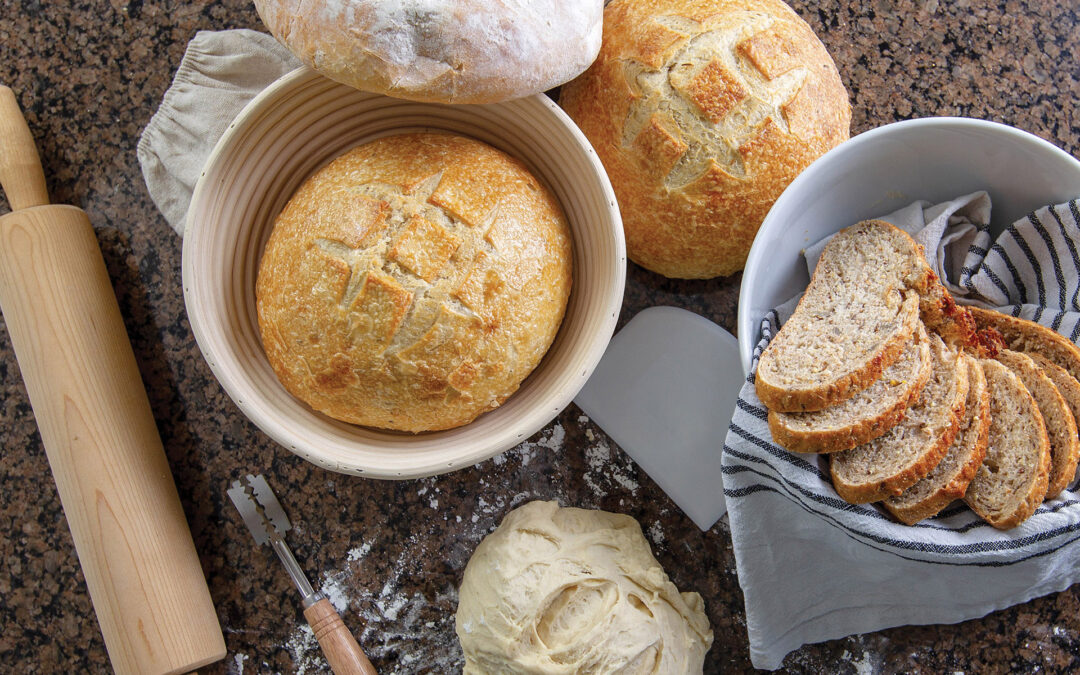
889	464
858	313
1069	388
950	478
868	414
1011	482
1059	421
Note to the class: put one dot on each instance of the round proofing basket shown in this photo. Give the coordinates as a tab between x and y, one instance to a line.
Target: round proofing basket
296	126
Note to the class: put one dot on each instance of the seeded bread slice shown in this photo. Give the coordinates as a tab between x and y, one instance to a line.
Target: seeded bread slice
890	464
1067	386
1060	425
859	311
950	478
1012	480
866	415
1021	335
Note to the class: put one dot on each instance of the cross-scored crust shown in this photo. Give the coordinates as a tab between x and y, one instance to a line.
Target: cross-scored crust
413	283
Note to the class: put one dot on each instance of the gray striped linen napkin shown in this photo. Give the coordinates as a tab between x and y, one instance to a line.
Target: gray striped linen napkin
813	567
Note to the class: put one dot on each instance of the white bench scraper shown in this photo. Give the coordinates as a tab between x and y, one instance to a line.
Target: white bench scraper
665	391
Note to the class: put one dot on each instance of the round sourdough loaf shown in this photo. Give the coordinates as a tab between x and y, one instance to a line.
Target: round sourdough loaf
702	112
445	51
413	282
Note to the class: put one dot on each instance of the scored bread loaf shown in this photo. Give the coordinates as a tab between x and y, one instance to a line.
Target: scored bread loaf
854	320
414	282
1011	482
949	480
866	415
1022	335
702	112
446	51
891	463
1060	425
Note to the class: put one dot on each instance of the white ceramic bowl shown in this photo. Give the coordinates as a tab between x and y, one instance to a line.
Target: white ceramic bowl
296	126
882	170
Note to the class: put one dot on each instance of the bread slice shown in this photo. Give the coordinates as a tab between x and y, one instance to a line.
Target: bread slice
1059	421
866	415
1012	480
890	464
950	478
1069	389
858	313
1021	335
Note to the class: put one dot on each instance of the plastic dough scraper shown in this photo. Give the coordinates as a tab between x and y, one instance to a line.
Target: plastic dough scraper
665	391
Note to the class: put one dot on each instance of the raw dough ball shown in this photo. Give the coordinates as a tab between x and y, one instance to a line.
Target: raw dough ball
565	590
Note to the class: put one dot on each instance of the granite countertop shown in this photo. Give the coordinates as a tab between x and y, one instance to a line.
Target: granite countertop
90	75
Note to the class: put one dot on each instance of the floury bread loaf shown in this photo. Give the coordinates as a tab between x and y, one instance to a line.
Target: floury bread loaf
413	282
445	51
702	112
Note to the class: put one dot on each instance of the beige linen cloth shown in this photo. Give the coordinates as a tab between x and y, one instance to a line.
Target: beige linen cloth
221	72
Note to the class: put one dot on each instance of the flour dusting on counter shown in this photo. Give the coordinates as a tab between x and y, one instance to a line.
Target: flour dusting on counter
413	631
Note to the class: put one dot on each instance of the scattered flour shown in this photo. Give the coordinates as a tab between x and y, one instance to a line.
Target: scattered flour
305	650
864	665
410	630
360	552
609	470
238	664
656	533
334	589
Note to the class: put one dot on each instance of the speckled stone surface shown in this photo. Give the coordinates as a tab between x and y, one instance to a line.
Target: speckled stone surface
90	74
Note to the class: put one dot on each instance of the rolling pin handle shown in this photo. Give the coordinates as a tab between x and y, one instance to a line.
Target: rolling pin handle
21	174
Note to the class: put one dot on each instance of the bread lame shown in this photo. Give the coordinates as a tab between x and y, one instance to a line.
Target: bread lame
264	517
129	529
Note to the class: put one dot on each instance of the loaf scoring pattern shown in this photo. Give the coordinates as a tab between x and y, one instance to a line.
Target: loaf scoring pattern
395	284
413	282
710	97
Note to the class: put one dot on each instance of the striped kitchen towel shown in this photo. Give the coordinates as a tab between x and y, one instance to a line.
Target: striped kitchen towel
813	567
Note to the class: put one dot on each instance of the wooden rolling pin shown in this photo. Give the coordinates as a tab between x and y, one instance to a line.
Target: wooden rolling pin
130	533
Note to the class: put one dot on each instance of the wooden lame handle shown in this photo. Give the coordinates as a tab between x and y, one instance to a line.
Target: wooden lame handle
338	644
20	167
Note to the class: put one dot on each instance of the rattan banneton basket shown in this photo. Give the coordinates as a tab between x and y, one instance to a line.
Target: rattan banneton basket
296	126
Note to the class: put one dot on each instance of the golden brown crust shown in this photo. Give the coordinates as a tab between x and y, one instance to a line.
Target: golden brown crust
413	283
943	316
860	431
955	488
660	105
1026	336
864	493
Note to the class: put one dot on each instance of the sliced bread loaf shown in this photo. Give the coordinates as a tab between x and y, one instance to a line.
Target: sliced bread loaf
890	464
950	478
1021	335
1011	482
1067	386
866	415
859	311
1060	425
